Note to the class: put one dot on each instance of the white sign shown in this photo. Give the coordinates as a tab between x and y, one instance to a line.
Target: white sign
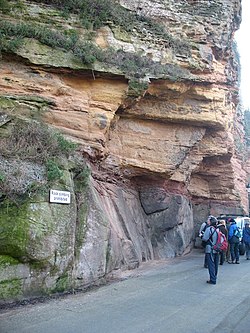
57	196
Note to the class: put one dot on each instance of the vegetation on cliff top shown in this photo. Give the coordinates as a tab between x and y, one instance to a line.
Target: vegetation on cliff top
96	13
92	15
11	36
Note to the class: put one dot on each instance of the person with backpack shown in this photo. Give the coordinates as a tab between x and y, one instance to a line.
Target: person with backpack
234	235
246	239
222	227
212	257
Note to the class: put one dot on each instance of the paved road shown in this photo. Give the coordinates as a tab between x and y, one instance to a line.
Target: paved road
170	297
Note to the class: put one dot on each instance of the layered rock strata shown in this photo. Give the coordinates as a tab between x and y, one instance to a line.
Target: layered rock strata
160	161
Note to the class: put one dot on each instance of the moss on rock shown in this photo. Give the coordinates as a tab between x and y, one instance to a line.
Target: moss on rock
63	283
6	261
42	54
6	103
14	229
10	289
81	181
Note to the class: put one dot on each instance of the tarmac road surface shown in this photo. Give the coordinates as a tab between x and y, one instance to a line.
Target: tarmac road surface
169	296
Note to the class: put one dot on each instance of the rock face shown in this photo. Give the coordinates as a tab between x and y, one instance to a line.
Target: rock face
157	124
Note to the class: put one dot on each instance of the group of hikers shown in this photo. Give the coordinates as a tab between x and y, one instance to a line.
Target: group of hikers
230	237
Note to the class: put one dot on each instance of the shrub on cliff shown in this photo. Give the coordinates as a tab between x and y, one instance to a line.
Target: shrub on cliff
96	13
32	157
33	141
11	36
4	6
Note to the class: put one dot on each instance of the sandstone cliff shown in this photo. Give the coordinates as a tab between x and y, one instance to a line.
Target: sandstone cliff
149	93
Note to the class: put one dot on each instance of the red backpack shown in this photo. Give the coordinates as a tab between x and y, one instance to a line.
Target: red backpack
221	242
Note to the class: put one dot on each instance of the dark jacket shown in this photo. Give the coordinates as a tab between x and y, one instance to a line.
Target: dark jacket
246	235
231	232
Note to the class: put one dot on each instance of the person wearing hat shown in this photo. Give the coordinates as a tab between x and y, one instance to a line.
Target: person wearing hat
212	257
246	239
